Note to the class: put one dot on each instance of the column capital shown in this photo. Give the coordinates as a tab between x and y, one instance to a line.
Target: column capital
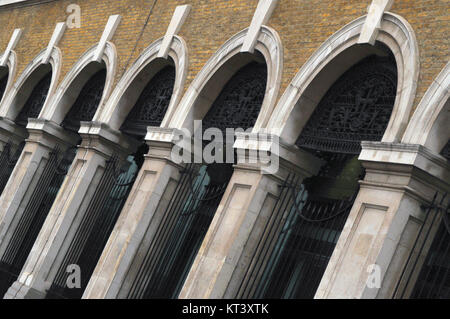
256	149
10	131
48	133
102	138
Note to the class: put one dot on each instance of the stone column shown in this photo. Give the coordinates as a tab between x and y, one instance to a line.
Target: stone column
43	137
151	193
239	221
98	144
385	219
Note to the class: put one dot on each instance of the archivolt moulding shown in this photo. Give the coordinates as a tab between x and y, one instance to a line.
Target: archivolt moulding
12	69
13	100
396	33
268	44
429	123
118	105
64	97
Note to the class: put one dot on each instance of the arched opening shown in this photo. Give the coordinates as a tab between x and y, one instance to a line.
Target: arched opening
86	98
309	215
35	89
144	104
231	99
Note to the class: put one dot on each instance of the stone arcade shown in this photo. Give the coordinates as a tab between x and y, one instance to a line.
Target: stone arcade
352	97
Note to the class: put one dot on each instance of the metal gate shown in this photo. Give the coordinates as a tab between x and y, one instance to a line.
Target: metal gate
7	163
33	217
95	227
297	242
429	279
181	231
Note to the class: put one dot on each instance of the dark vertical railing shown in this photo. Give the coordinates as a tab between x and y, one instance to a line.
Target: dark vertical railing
8	162
298	240
179	234
433	276
95	227
33	217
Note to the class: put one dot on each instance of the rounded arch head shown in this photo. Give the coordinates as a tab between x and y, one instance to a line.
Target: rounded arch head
219	69
15	98
140	73
70	87
429	125
337	55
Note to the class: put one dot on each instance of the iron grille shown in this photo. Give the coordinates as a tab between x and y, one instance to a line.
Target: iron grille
301	233
33	217
181	232
356	108
429	279
239	103
152	104
3	82
8	162
87	102
306	222
97	224
35	102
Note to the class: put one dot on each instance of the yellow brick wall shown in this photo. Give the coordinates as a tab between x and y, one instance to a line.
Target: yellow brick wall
302	24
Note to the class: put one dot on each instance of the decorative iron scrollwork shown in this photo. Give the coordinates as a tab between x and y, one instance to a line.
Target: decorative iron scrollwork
239	103
356	108
152	104
87	102
35	102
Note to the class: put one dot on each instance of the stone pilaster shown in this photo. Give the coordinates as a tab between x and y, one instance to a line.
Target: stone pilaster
384	220
152	191
97	146
238	223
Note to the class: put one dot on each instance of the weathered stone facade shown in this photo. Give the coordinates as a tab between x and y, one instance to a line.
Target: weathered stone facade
306	46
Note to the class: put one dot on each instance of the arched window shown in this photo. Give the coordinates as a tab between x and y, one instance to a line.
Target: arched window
35	101
309	216
87	102
116	182
198	194
152	104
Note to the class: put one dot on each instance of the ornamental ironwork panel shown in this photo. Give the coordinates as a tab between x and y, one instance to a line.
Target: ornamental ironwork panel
301	232
239	103
33	217
429	278
87	102
152	104
8	162
446	151
180	233
35	101
356	108
97	224
3	82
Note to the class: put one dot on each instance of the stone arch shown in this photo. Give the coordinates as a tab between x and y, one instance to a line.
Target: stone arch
18	94
220	68
127	91
336	55
429	123
11	69
69	88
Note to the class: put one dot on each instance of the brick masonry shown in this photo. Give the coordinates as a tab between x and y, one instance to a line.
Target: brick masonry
302	24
